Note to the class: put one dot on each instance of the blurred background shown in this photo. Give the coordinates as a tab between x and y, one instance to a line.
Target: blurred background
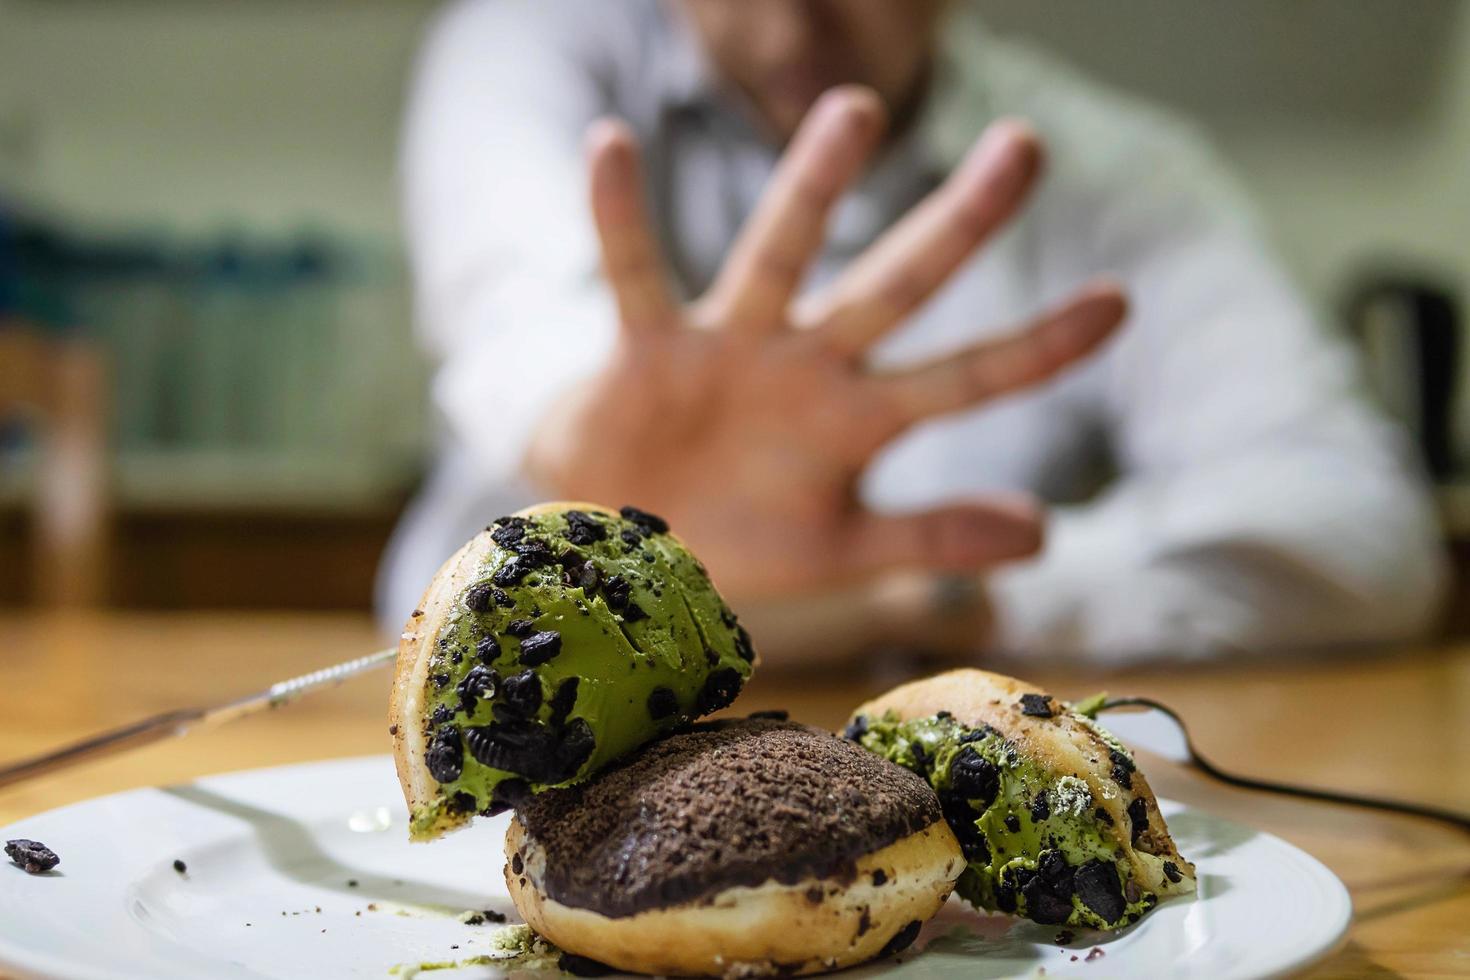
209	392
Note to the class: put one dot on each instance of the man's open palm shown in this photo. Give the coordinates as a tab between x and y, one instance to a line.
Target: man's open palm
748	416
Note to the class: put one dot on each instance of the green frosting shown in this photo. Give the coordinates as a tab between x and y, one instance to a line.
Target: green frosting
1034	840
642	643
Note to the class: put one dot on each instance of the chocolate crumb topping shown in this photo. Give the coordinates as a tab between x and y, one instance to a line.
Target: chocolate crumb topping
657	830
1171	871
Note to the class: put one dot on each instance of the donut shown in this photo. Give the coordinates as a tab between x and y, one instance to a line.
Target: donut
752	847
556	641
1056	821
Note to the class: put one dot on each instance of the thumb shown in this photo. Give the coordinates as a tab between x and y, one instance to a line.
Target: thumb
957	538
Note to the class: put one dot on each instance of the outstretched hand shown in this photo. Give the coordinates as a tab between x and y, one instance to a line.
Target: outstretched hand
747	416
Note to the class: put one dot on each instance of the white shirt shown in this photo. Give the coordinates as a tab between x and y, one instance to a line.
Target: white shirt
1256	501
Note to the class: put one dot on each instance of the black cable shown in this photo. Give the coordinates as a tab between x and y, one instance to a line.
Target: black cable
1459	820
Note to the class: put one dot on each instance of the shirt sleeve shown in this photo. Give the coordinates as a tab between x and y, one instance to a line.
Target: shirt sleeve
508	299
1263	503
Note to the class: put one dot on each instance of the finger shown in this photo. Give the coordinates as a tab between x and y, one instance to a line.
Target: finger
771	254
958	538
996	367
914	258
630	254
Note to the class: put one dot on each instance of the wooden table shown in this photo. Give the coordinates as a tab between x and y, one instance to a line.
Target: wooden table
1395	725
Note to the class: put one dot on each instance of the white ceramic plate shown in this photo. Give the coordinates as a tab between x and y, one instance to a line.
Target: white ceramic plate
270	854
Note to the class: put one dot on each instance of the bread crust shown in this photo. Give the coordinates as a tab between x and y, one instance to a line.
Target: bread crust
811	926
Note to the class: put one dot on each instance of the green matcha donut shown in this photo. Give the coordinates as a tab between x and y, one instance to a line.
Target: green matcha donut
553	643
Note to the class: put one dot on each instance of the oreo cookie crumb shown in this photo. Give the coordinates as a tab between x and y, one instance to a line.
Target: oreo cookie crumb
646	522
974	777
880	877
1137	818
180	866
720	690
480	682
585	576
662	702
1040	807
487	648
564	700
1012	823
743	648
1103	816
1171	871
477	597
1036	705
538	648
901	940
445	757
1100	890
581	966
616	591
522	693
510	531
583	528
520	628
865	922
1122	768
510	573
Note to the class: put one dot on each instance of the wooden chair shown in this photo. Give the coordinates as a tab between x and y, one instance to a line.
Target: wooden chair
60	386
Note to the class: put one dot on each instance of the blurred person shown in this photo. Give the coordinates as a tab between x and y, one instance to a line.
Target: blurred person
835	324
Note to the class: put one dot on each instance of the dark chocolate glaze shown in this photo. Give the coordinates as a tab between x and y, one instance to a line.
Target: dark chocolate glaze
720	805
